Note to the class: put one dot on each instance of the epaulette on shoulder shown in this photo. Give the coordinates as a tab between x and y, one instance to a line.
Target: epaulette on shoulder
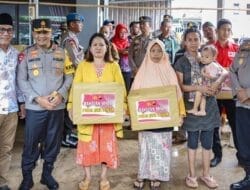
29	47
23	53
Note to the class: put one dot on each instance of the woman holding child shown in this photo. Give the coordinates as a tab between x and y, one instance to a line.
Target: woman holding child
199	128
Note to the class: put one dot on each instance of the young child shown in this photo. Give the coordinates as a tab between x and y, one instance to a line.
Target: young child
210	73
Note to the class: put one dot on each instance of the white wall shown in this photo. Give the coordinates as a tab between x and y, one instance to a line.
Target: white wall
240	19
206	15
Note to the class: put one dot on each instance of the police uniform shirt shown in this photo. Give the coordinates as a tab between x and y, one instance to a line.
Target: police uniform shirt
41	72
137	50
239	73
71	43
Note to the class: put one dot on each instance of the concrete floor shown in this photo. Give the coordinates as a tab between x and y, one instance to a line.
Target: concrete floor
69	174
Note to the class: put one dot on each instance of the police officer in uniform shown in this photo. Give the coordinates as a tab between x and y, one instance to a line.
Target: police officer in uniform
63	29
70	41
138	47
239	72
75	51
44	75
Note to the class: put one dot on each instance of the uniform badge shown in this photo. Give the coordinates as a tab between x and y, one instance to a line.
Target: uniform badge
43	24
35	70
34	53
21	57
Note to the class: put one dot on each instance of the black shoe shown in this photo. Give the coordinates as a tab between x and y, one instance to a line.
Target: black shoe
26	184
70	141
5	187
47	178
241	185
50	183
215	161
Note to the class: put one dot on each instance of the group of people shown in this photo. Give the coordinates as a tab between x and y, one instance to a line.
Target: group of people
37	82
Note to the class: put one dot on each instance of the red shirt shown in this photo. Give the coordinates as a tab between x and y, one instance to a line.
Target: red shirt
226	54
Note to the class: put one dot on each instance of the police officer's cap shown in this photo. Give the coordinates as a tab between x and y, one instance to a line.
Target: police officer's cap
74	17
192	24
107	22
145	19
168	17
41	25
6	19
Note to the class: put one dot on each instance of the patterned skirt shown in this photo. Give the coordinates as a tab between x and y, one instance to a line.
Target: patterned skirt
102	148
154	155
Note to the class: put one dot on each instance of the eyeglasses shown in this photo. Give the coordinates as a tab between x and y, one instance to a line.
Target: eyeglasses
8	30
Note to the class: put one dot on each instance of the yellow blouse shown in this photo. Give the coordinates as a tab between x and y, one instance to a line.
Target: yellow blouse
86	73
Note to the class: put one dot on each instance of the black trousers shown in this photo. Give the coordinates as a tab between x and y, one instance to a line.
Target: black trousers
43	134
127	80
68	124
229	106
243	132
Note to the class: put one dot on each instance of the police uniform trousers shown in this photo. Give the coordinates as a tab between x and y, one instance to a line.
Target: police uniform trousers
230	111
43	135
242	133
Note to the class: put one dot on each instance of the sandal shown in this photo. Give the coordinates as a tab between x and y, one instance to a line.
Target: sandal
104	185
155	185
191	182
84	184
139	184
209	181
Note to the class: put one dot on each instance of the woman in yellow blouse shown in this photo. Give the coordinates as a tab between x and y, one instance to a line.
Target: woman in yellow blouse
97	143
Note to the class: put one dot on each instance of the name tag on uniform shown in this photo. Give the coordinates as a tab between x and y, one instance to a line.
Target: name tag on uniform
4	104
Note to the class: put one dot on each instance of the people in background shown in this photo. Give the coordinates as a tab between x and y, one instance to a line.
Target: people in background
134	29
209	32
105	30
170	42
226	52
138	47
120	40
75	52
70	40
111	25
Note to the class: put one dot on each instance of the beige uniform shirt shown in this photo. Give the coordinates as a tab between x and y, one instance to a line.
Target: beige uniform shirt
137	50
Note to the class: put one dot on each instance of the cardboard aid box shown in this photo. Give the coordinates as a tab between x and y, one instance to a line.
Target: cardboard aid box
226	90
152	108
98	103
